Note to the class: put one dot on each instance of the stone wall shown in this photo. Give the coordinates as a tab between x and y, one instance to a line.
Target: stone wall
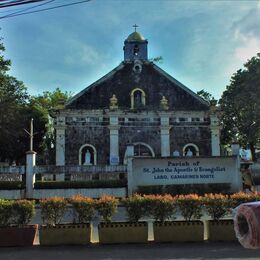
200	136
77	136
152	80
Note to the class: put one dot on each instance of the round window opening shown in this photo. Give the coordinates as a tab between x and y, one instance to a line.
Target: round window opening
137	68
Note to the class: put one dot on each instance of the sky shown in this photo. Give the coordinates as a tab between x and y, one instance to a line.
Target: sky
202	42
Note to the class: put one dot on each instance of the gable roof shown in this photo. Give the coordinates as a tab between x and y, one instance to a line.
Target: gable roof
178	83
122	79
99	81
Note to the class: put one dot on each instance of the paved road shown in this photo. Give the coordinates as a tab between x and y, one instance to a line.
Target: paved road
206	250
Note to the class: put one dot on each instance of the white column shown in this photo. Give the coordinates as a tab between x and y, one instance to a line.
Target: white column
235	148
114	141
215	135
60	145
165	136
130	179
30	177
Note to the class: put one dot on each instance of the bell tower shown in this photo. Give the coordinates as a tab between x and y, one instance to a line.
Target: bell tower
135	47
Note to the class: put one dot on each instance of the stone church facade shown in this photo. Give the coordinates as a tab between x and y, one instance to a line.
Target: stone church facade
136	103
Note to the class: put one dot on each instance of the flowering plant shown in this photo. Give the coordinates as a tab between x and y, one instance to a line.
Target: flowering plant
216	205
83	208
190	206
52	210
161	207
106	206
135	206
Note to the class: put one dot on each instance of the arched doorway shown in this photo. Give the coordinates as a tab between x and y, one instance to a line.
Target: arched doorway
141	150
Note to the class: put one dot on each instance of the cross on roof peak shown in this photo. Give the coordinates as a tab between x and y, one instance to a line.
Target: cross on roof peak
135	26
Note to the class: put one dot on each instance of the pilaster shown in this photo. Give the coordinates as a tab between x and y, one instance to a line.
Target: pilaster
215	135
114	140
165	135
30	177
60	144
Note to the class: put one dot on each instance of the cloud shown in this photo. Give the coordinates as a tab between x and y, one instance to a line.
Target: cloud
251	48
247	34
81	53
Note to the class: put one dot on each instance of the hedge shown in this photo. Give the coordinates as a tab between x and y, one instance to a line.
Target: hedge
200	189
11	185
80	184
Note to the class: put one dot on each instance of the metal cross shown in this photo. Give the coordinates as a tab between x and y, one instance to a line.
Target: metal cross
135	26
31	134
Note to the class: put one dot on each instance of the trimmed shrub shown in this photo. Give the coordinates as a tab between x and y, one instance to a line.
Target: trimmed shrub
106	206
52	210
216	205
185	189
241	197
23	211
190	206
161	207
80	184
5	212
16	212
11	185
83	208
135	206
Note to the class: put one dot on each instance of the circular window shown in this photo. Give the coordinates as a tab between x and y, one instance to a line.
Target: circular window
137	68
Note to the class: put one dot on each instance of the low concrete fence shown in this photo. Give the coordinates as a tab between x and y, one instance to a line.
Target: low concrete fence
60	173
11	173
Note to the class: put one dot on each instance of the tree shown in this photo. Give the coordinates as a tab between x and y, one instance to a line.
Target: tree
13	101
158	59
207	96
16	110
43	104
240	103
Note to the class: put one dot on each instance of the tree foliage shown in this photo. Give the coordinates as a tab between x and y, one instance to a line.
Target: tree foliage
13	101
42	104
158	59
240	103
207	96
16	110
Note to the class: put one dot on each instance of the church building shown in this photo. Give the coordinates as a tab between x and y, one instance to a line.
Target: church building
136	103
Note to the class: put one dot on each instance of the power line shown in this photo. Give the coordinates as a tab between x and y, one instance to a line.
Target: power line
22	10
15	3
44	9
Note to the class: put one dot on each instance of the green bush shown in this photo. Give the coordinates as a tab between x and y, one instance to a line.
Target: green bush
83	208
52	210
216	205
241	197
106	206
16	212
185	189
161	207
80	184
149	190
11	185
23	211
190	206
5	212
135	207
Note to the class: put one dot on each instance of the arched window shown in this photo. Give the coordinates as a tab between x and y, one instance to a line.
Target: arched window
190	150
136	50
141	150
87	155
137	98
